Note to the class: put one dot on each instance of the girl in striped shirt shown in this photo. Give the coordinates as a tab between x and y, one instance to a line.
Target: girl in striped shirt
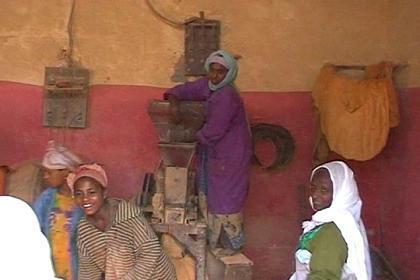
115	241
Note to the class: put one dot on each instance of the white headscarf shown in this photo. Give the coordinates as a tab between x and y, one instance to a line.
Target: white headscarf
226	59
60	157
24	250
345	212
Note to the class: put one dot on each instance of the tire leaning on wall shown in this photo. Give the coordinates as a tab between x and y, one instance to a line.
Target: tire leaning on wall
281	139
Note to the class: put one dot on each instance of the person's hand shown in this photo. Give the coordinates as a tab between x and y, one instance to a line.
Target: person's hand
174	113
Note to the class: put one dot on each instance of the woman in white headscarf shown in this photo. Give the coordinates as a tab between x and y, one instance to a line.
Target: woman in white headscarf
225	149
24	250
57	213
333	244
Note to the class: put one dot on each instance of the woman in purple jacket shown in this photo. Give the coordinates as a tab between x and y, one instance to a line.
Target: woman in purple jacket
225	148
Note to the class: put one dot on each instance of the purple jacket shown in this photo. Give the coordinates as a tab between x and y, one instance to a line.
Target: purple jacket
227	137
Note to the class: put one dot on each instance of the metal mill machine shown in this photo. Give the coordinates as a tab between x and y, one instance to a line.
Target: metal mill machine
169	197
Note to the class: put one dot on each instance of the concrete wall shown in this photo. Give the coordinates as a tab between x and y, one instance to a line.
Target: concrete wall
404	40
134	56
283	43
121	136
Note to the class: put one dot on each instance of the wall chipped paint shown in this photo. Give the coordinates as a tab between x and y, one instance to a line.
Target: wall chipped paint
32	33
283	43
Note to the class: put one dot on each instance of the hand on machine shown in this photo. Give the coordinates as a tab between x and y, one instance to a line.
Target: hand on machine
174	110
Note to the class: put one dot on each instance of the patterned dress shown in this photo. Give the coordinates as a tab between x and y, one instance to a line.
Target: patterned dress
58	216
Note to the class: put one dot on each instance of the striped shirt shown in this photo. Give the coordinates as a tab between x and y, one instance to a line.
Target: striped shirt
129	249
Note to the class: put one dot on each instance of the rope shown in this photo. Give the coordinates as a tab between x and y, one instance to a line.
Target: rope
69	56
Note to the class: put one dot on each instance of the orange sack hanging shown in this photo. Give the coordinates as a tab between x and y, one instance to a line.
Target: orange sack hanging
356	114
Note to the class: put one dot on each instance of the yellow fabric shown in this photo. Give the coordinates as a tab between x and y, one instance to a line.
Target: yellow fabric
60	240
356	114
183	262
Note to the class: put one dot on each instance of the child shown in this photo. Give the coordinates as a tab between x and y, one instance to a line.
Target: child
114	241
56	211
333	244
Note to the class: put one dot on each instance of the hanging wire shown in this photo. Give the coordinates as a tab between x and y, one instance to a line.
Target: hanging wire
69	56
173	23
59	134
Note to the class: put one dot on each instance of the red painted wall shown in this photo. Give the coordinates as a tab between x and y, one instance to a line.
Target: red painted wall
390	185
274	207
120	135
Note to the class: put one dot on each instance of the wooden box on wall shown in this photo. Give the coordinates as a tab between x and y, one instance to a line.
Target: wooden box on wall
202	37
65	97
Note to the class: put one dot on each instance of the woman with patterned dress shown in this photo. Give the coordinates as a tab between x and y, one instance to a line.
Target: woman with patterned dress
57	213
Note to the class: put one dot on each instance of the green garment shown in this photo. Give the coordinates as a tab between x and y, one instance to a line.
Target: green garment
329	252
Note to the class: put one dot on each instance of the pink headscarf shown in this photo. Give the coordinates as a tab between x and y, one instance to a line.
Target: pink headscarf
94	171
60	157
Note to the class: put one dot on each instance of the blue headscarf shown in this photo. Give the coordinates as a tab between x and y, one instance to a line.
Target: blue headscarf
227	60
